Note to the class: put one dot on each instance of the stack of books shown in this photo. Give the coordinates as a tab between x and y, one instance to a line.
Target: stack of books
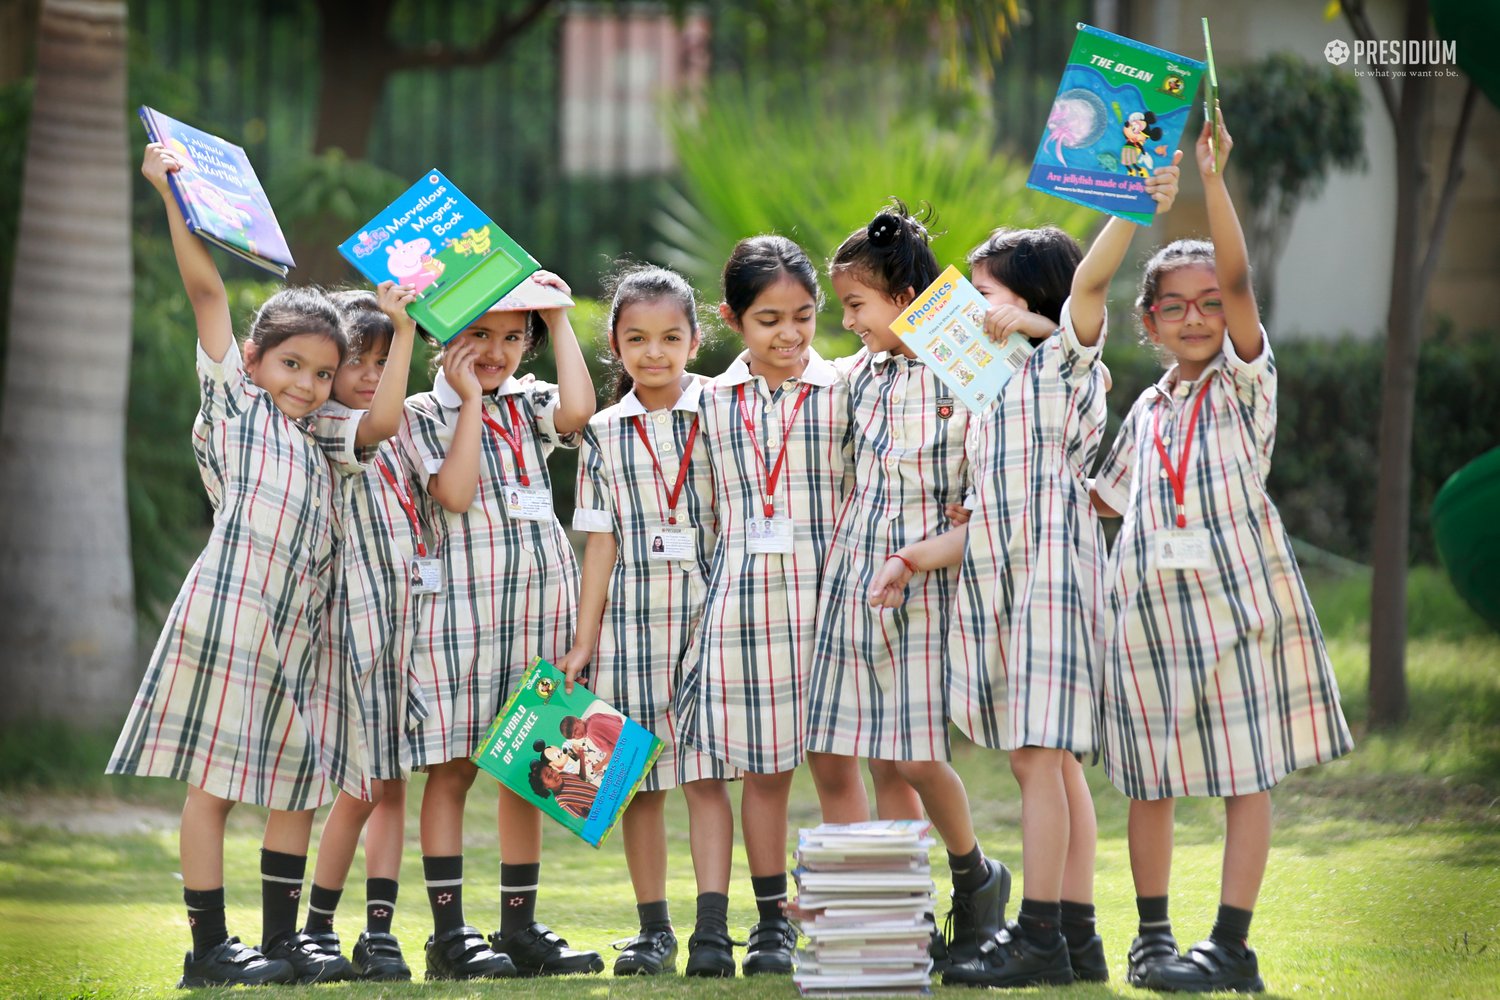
864	892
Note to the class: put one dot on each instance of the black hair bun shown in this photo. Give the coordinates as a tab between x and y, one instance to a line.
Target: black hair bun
884	230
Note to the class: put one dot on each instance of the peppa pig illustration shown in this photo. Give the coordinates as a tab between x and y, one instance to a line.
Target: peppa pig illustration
411	264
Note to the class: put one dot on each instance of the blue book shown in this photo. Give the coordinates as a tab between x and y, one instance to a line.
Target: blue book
435	238
220	196
1118	114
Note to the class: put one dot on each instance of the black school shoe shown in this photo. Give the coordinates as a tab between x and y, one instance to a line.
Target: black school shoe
977	916
1011	959
309	958
537	951
1208	967
1089	964
377	956
711	955
230	963
1147	952
649	953
770	949
461	953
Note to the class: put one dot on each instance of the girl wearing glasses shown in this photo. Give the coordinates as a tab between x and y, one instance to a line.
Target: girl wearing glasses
1216	681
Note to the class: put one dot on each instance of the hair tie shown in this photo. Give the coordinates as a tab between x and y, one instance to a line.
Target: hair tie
883	230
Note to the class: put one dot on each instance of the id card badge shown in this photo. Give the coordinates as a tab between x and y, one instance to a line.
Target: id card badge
426	576
528	503
768	535
670	542
1182	548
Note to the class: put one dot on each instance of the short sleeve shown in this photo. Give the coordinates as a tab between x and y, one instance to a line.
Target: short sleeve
1113	480
544	398
334	427
225	391
1255	392
424	436
595	510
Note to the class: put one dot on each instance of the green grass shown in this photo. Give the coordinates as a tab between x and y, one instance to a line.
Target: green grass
1384	878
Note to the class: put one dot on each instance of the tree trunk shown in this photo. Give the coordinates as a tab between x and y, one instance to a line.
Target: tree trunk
65	582
354	55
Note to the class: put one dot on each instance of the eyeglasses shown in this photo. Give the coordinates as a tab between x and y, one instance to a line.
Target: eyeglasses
1207	304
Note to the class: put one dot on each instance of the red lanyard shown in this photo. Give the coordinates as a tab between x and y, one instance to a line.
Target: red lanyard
510	437
786	431
682	470
406	505
1178	476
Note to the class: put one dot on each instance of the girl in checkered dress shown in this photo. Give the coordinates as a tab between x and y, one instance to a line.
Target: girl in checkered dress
879	679
477	445
1023	649
645	498
367	642
1216	681
775	426
226	704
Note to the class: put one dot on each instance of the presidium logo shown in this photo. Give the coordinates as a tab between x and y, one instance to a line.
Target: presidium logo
1407	57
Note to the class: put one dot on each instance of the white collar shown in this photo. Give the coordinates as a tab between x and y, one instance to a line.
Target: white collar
818	372
630	406
444	393
1170	384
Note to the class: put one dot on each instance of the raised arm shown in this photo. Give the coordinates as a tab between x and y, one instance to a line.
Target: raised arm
1231	257
200	277
575	388
383	418
455	483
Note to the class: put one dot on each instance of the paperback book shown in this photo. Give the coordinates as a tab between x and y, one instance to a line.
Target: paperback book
220	196
571	755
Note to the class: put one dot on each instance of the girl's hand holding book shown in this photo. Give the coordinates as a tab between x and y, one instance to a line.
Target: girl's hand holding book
551	316
157	163
1205	148
1162	184
393	300
572	665
1002	321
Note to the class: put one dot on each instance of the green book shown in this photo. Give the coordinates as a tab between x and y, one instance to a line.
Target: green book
571	755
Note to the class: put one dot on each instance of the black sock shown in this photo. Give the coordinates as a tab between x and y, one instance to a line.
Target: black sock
321	903
380	904
1077	923
1153	913
280	892
518	884
713	913
1040	922
444	876
654	916
770	895
969	870
205	918
1232	927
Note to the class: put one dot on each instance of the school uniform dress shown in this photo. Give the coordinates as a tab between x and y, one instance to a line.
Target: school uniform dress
509	585
653	605
1024	648
225	703
374	698
744	698
1216	681
880	675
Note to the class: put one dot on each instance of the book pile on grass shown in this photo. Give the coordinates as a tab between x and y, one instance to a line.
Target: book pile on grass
864	891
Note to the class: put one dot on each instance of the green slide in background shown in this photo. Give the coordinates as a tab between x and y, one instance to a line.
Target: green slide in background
1466	526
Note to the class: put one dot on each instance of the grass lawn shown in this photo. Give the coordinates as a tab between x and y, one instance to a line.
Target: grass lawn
1384	878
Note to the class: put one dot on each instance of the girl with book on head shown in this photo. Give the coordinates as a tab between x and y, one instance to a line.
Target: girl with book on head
878	685
227	701
370	698
1024	664
506	581
775	433
645	499
1215	680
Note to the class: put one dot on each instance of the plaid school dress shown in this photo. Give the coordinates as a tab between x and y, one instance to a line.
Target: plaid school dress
653	606
373	697
1024	650
509	585
225	703
879	678
744	699
1216	682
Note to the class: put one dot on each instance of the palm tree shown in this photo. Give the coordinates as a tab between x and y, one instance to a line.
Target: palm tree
68	619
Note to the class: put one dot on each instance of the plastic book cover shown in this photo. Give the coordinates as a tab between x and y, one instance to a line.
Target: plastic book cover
571	755
435	238
220	196
945	327
1118	114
